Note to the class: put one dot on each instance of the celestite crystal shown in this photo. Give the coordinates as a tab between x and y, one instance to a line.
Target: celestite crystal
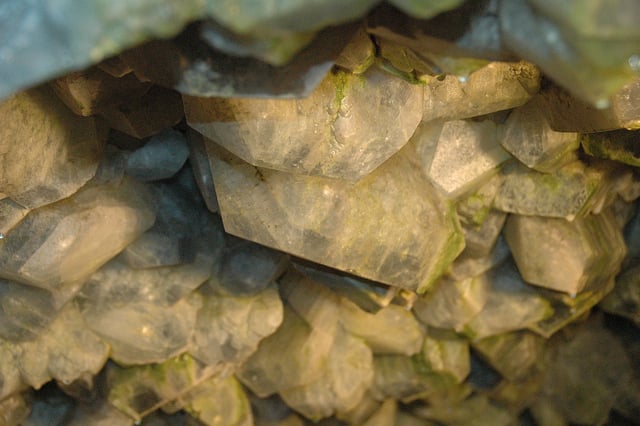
585	251
48	152
57	247
345	129
470	148
342	225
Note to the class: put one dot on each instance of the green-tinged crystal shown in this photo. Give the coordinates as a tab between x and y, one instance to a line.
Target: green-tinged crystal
527	136
453	98
392	226
620	145
447	354
459	156
48	152
571	191
566	256
391	330
228	327
511	304
451	304
293	356
219	402
138	391
476	410
513	354
425	9
347	375
345	129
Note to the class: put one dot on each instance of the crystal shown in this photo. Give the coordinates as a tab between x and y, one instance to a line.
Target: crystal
229	328
15	410
68	350
160	158
481	240
138	330
199	162
341	225
87	92
25	311
61	155
293	356
345	129
447	354
11	213
140	390
511	304
57	247
477	410
468	147
391	330
359	54
152	249
347	375
528	137
511	84
513	354
452	303
562	255
570	192
219	402
11	378
424	10
247	268
620	145
466	266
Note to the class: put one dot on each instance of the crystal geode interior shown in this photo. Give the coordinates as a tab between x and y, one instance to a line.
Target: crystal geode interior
319	212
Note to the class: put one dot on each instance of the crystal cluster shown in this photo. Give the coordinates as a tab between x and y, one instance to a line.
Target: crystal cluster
319	212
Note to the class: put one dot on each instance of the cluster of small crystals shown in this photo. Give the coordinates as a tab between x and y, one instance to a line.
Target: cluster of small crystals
320	212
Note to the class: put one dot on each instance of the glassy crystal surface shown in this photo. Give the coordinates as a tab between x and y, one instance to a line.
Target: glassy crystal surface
219	401
347	375
570	192
48	152
391	330
528	137
59	246
459	155
160	158
447	354
229	328
25	311
345	129
341	225
562	255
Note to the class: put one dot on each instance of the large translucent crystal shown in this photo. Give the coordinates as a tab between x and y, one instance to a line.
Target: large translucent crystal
219	401
48	152
528	137
459	155
347	127
391	226
57	247
565	256
228	328
347	375
25	311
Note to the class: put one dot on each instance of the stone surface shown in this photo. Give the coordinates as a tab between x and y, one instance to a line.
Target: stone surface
592	68
48	152
565	256
345	129
192	67
59	246
458	156
342	225
528	137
